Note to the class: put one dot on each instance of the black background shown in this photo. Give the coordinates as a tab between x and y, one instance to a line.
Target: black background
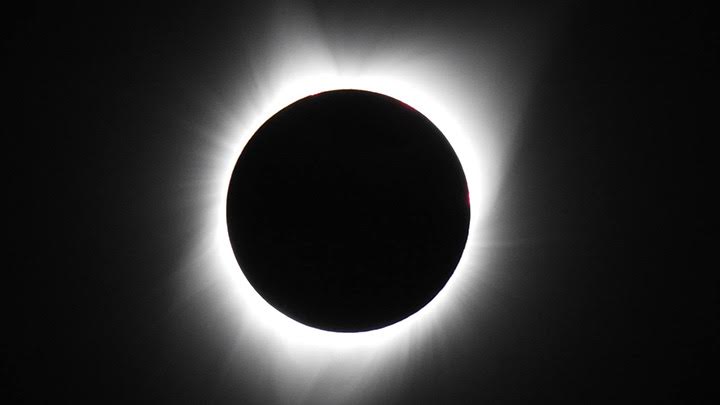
604	292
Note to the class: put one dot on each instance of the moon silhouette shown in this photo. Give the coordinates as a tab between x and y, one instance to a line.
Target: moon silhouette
348	211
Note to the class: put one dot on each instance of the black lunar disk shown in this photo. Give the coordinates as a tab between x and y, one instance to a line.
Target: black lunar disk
348	211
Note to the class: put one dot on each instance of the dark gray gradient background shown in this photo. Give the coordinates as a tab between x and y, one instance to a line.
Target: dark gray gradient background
600	292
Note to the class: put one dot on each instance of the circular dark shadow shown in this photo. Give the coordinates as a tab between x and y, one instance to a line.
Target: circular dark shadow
348	211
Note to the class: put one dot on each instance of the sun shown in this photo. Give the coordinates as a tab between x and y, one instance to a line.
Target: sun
413	96
437	86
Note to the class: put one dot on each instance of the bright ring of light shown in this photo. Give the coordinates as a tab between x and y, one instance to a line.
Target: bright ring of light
449	125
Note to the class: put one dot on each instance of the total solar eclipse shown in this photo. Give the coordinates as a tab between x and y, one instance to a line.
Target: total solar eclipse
348	211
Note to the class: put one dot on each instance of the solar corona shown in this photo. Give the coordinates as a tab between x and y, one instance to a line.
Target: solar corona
335	246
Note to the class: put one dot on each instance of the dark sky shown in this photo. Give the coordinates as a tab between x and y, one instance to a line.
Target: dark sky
608	297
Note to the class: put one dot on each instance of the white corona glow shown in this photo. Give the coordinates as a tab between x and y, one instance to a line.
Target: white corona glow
293	357
292	343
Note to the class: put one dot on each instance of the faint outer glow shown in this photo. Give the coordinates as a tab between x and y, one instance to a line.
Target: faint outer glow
296	359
